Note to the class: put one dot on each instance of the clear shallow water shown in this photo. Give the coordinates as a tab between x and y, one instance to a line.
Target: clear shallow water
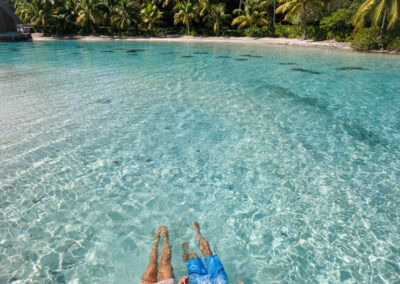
294	176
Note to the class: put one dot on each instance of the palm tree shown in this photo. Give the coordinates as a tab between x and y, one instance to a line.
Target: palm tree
66	13
89	11
217	16
253	15
204	7
151	15
186	14
123	14
379	10
36	12
292	7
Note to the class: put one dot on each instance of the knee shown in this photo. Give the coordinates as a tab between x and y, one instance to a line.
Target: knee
193	255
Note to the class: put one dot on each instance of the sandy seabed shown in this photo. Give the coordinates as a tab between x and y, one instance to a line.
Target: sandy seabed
240	40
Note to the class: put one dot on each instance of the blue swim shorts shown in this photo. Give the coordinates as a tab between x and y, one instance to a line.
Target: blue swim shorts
213	273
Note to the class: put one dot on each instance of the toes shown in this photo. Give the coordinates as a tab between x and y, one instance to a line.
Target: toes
196	226
185	246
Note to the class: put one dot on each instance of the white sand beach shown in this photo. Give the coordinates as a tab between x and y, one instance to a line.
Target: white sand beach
239	40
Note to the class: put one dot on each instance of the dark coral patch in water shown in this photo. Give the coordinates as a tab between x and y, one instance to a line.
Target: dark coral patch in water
351	68
305	70
187	56
164	53
246	55
288	63
241	59
364	135
78	46
107	51
75	53
224	57
14	49
134	50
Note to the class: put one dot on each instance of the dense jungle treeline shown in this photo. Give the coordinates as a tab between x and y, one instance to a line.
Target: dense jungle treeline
367	24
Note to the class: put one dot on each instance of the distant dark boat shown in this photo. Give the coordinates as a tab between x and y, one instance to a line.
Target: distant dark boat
11	28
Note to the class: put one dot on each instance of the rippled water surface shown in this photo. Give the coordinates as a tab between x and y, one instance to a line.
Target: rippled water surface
288	158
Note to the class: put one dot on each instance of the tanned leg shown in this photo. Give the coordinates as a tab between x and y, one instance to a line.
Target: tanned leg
150	275
204	246
166	272
186	255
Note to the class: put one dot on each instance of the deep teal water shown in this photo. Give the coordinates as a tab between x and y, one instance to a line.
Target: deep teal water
293	175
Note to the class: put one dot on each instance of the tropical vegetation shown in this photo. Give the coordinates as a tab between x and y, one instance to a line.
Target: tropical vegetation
254	15
367	24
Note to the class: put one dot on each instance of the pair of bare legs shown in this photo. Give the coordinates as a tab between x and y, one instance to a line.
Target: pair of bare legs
204	246
165	271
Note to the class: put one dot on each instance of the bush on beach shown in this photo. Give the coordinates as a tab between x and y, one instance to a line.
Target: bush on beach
366	39
394	44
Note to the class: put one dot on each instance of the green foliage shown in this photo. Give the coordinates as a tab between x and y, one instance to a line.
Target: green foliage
123	15
378	12
337	20
89	13
394	44
151	16
186	14
316	33
366	39
217	17
299	7
265	31
338	24
37	12
253	15
292	31
288	31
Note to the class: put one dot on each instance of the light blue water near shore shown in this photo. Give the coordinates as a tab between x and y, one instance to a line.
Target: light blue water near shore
293	176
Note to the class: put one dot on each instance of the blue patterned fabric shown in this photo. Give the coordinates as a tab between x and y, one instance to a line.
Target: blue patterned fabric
213	273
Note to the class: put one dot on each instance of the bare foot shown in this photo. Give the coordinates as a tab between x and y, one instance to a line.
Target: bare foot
164	232
185	247
196	227
158	232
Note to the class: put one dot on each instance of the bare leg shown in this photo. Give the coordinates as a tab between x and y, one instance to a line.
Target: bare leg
166	272
204	246
186	255
150	275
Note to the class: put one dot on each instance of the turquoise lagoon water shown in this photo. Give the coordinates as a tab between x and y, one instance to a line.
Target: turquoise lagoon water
292	174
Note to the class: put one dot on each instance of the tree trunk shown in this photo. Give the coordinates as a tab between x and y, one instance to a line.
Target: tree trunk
304	22
240	4
383	22
273	19
188	29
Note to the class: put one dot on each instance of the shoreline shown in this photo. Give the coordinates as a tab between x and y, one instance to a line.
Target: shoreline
326	44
